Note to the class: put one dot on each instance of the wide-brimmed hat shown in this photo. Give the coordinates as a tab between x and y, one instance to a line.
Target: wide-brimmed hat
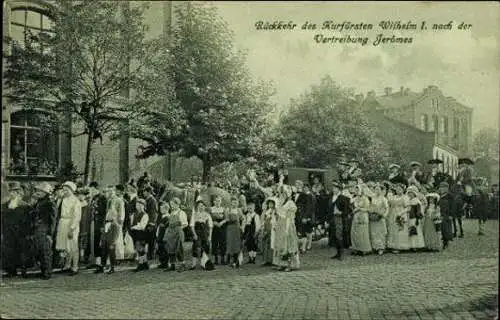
415	164
393	165
44	187
433	195
412	189
15	186
465	161
70	185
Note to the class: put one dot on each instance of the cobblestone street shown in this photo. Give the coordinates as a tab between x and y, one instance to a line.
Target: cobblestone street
460	283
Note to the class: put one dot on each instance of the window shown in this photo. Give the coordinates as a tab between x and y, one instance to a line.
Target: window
33	151
435	124
445	125
441	123
424	122
25	20
464	128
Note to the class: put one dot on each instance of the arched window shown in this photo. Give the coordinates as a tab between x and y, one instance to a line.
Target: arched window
33	150
24	20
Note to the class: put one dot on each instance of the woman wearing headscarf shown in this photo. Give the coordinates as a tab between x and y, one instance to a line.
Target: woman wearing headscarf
397	220
286	249
69	226
415	222
360	230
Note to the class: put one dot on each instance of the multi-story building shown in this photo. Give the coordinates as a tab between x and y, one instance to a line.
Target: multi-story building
30	153
427	124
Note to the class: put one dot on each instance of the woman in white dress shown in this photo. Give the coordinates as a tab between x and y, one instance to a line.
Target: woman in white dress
397	220
69	227
378	212
286	242
360	231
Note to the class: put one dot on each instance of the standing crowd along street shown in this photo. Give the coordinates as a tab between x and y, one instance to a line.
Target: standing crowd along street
96	227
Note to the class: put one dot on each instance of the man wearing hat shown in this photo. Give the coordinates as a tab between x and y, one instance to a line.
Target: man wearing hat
338	213
14	230
447	209
43	219
68	227
97	210
396	176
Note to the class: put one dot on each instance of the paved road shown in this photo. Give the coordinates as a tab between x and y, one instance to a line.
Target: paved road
460	283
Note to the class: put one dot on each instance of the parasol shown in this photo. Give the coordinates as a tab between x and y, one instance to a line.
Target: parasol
435	161
465	161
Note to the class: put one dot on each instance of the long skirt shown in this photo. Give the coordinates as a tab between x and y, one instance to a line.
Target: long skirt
378	234
397	237
120	245
174	240
432	237
360	233
416	241
267	251
233	239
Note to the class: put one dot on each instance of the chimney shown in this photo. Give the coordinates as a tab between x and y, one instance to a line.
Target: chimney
388	91
401	90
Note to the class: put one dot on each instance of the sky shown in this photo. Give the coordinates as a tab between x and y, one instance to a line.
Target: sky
464	64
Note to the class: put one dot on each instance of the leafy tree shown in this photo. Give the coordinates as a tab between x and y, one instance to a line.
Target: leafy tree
222	107
324	125
486	143
83	68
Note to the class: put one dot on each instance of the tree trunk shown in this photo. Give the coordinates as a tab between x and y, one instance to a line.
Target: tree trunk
86	170
206	170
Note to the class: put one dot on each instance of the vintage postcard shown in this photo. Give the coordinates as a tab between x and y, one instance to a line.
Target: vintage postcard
250	160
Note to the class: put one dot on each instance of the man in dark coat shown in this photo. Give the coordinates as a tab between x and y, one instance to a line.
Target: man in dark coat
15	231
43	221
447	207
305	215
338	214
152	212
97	210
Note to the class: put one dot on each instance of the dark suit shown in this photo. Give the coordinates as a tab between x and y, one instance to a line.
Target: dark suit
338	233
152	211
15	231
98	212
43	222
305	210
447	208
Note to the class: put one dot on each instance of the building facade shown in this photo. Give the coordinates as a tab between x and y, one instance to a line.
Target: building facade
28	152
436	126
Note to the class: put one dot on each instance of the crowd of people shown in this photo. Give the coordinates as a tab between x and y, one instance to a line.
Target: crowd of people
100	226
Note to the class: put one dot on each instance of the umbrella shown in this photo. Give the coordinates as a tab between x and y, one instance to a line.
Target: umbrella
465	161
434	161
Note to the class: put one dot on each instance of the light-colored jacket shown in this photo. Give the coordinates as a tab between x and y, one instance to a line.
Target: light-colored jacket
69	221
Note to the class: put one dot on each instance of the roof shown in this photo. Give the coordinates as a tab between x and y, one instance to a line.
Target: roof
396	100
